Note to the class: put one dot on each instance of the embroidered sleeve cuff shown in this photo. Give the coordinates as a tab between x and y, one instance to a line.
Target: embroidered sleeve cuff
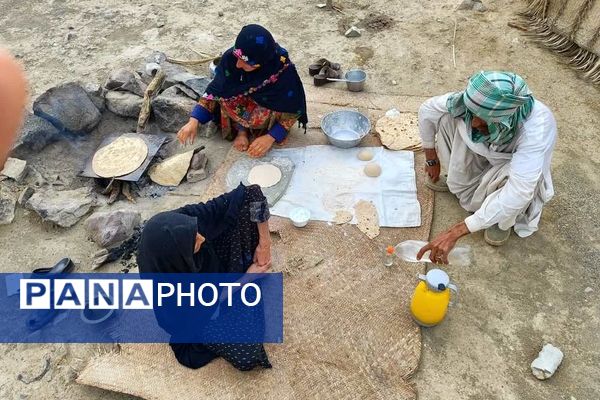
278	132
201	114
259	211
475	223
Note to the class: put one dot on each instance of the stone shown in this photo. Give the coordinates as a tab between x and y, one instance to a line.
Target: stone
196	83
25	195
353	32
180	89
465	5
68	108
36	133
15	169
172	112
125	80
197	175
96	93
588	290
124	104
107	229
64	208
478	6
199	161
208	130
7	207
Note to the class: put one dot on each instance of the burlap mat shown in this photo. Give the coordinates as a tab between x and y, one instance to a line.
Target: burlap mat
348	330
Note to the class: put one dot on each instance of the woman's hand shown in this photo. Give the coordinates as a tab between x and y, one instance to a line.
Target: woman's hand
262	255
442	245
261	146
188	132
257	269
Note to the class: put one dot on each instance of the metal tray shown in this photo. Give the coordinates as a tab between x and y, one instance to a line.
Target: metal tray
240	169
152	141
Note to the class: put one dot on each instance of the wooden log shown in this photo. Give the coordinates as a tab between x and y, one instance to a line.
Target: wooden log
152	89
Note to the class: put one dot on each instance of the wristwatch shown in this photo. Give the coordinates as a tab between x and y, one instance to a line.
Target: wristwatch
431	163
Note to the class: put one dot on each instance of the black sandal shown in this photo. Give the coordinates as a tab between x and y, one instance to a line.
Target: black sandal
41	318
315	68
62	267
326	72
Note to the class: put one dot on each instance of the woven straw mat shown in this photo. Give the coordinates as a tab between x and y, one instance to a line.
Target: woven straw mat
348	333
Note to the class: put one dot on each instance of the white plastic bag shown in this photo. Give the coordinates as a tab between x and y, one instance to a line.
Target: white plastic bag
407	250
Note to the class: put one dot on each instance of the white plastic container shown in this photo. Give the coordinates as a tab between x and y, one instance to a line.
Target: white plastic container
300	217
407	250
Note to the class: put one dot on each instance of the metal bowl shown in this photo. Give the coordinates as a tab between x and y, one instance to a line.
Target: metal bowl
345	128
355	80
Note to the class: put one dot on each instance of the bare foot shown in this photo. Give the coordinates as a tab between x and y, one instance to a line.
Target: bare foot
241	141
261	146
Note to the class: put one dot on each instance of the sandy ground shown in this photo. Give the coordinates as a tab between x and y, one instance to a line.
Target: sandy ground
513	299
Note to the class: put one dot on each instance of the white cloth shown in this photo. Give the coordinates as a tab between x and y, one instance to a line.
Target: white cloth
505	185
327	179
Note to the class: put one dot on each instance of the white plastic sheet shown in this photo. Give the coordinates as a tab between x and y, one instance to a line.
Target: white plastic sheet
327	179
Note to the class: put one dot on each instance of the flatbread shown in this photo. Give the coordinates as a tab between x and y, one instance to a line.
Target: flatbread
120	157
399	132
264	175
367	218
342	217
171	171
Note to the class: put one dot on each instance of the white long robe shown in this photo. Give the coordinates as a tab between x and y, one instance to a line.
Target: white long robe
507	184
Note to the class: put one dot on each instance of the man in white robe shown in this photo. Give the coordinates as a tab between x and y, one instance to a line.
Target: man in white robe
494	141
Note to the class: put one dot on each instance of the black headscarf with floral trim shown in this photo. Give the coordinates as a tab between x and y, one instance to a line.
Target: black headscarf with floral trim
274	85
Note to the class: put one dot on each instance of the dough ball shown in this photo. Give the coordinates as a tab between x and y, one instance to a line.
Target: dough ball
365	155
373	170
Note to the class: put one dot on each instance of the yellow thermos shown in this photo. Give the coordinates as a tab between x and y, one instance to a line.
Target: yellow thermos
431	298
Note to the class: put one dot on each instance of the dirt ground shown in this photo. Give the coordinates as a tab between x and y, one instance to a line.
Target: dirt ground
513	299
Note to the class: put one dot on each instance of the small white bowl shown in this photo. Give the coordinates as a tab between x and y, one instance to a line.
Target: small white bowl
300	217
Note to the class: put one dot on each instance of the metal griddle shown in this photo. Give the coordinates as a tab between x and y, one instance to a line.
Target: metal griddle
152	141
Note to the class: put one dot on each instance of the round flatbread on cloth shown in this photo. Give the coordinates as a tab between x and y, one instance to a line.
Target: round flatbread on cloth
398	132
120	157
264	175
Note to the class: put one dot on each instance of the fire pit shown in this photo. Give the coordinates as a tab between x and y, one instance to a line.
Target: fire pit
120	184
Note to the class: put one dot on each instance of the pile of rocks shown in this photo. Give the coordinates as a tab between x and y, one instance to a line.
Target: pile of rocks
73	110
124	93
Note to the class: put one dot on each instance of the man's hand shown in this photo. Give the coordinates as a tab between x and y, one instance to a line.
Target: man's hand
433	171
188	132
262	255
442	245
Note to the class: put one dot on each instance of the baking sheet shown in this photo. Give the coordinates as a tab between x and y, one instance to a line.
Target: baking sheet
327	179
152	141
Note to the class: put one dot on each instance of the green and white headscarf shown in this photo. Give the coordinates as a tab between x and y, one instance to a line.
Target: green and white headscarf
502	99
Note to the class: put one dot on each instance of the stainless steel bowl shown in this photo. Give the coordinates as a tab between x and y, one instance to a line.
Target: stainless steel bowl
355	80
345	128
